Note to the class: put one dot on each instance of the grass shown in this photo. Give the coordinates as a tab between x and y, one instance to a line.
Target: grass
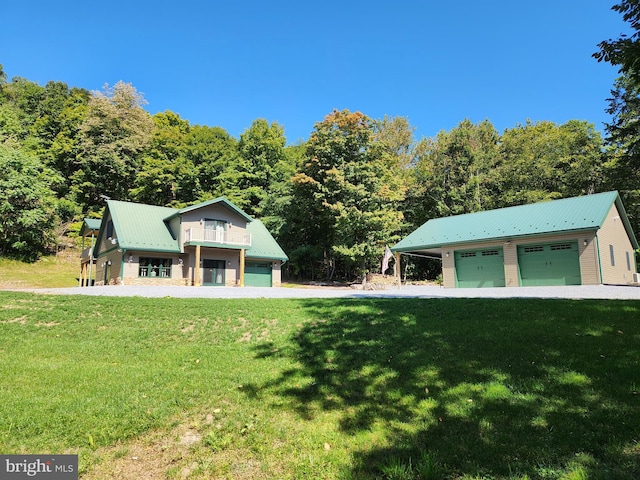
49	272
334	388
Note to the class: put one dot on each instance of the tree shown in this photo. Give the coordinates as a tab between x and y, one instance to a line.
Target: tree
212	150
247	182
346	195
623	132
543	161
166	175
454	169
21	102
114	133
27	205
624	51
274	207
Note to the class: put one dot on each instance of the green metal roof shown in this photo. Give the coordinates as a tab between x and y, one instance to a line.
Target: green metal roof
263	245
221	200
146	227
553	217
89	225
141	227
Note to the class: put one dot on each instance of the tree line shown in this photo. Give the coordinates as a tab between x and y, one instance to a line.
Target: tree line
333	201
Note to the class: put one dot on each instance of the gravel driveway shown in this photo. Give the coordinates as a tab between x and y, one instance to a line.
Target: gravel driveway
573	292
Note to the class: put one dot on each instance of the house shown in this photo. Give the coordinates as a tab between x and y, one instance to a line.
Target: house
574	241
211	243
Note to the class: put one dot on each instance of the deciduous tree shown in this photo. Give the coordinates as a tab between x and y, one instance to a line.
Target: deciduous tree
347	195
27	205
114	133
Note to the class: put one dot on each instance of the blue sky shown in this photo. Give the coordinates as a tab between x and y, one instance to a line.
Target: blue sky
228	63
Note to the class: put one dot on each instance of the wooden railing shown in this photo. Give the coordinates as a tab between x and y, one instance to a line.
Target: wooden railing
86	254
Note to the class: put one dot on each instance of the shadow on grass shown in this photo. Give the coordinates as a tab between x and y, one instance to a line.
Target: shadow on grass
489	388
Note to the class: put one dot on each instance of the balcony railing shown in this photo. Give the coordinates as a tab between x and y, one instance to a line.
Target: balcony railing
219	237
86	255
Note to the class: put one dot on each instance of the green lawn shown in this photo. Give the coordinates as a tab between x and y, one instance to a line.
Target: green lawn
332	388
48	272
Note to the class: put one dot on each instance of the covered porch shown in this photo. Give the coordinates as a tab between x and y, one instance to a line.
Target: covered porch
88	233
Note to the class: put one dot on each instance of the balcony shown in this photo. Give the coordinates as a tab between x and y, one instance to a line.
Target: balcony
86	255
217	237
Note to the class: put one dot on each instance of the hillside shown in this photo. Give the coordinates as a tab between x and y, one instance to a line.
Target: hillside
52	271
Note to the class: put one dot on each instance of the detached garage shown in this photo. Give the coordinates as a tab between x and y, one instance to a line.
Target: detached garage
574	241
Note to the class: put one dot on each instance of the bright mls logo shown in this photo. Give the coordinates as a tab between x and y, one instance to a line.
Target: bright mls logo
49	467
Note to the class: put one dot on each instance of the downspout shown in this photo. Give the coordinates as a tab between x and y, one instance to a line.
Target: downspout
599	258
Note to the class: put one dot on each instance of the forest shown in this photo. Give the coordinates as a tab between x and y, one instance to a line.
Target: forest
333	202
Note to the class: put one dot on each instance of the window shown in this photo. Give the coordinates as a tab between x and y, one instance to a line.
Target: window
154	267
628	261
467	254
490	253
613	258
214	230
537	248
561	246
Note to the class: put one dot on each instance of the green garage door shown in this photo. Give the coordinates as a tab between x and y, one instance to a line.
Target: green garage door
549	264
257	274
480	268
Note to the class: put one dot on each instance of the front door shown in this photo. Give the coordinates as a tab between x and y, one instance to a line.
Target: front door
213	272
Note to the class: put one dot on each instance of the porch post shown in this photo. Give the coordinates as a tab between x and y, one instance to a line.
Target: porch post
242	267
91	259
196	272
80	280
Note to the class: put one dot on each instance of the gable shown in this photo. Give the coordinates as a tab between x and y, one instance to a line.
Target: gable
217	204
214	211
137	227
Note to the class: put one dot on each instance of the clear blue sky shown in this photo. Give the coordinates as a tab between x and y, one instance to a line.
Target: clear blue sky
228	63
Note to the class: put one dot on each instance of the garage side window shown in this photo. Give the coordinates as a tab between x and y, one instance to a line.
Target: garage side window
613	258
628	261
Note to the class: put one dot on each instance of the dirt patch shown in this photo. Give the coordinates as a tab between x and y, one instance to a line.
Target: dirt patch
150	457
180	453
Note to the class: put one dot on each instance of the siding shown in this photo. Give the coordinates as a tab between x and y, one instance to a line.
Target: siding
109	253
215	212
613	234
132	275
102	264
276	274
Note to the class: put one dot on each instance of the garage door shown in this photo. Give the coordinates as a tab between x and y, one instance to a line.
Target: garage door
257	274
549	264
480	268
